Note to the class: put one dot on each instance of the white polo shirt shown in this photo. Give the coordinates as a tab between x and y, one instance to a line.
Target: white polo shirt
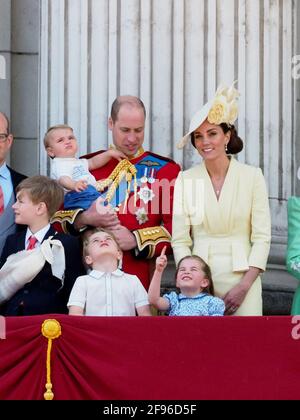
108	294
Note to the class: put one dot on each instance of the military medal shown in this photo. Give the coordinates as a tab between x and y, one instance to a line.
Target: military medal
144	178
146	194
151	179
141	215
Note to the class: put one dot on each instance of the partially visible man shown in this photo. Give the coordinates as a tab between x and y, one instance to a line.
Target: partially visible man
9	179
139	213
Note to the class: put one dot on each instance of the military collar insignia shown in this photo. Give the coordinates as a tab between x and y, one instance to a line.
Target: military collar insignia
138	153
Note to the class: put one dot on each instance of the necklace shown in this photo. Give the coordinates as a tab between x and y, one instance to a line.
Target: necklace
218	179
218	185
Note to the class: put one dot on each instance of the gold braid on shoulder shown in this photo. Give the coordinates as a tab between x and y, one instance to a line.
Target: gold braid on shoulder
123	169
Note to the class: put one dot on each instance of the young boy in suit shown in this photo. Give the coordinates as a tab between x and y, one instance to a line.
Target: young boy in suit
38	198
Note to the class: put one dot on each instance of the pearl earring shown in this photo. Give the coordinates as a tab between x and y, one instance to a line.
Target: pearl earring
226	148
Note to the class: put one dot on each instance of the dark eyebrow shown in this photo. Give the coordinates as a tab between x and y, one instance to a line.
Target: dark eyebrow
208	131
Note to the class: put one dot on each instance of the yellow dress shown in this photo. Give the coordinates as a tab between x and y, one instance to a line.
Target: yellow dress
230	234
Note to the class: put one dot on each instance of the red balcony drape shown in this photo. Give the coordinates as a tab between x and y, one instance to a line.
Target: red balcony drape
157	358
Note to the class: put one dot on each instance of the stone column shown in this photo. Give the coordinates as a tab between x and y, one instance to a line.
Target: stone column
5	55
25	38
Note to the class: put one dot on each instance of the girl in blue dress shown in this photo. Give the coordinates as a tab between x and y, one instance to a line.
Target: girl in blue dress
196	297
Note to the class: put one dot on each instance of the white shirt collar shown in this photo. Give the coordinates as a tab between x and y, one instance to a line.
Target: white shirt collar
40	234
98	274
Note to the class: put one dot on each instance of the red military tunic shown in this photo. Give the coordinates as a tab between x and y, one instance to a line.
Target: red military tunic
147	214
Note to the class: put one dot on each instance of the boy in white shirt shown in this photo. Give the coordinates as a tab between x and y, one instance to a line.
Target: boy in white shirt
106	290
73	174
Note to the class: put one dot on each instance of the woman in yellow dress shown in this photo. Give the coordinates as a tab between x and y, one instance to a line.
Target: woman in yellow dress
221	210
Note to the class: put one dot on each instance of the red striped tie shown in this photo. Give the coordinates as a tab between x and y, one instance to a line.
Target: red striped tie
31	243
1	201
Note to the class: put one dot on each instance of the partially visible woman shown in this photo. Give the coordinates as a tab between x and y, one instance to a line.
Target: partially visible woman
221	209
293	248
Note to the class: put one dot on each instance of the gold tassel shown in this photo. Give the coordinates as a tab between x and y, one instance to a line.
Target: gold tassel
51	329
123	169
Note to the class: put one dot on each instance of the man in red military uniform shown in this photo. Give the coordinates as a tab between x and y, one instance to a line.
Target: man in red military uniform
136	204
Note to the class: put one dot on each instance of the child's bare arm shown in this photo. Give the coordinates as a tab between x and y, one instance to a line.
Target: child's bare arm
158	302
69	184
144	310
75	310
102	158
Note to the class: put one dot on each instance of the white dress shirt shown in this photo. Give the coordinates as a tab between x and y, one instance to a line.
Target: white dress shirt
39	236
108	294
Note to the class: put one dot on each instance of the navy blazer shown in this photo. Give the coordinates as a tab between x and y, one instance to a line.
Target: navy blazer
44	294
16	178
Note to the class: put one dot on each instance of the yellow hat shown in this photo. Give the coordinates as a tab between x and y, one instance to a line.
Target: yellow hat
222	108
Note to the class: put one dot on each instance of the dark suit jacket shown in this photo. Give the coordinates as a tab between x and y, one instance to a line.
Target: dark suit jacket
16	178
44	293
